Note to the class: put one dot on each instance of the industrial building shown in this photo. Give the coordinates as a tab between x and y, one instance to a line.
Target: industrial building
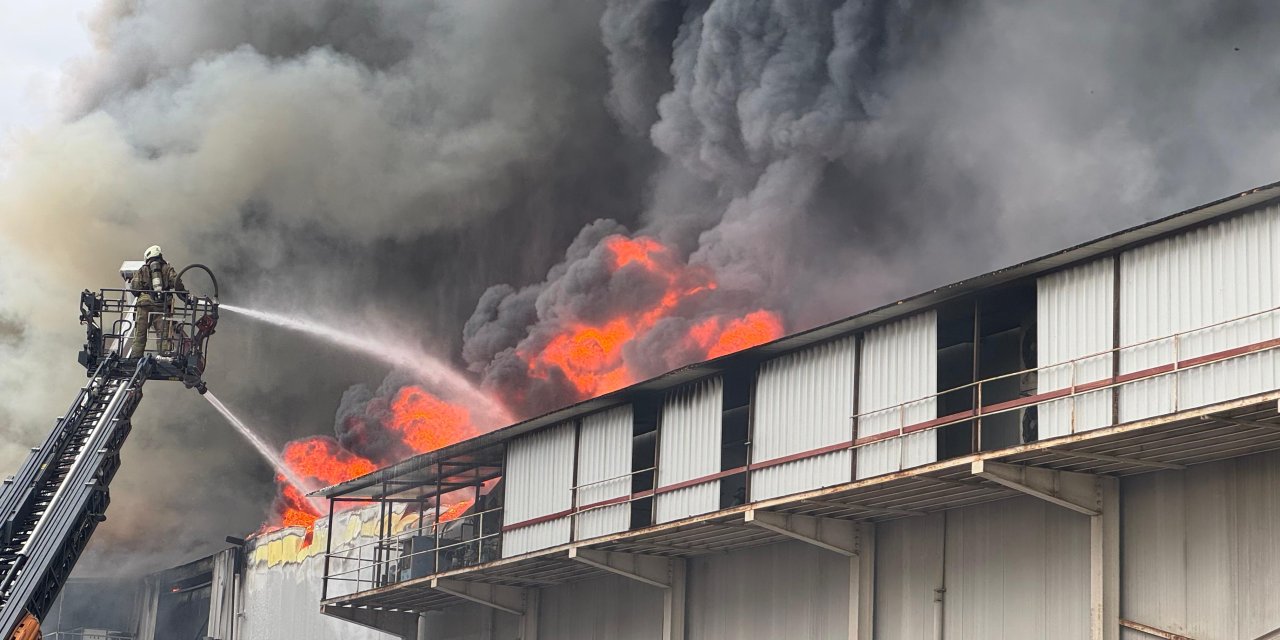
1085	445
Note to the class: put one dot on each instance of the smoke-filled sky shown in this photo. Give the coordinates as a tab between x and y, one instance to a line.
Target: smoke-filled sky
453	170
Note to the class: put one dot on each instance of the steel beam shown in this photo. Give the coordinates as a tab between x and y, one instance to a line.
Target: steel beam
654	571
863	507
1075	491
1246	423
1153	631
674	601
668	574
1102	457
839	536
1096	496
401	624
862	584
513	600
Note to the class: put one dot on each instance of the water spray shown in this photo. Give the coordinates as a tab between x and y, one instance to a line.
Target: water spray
427	368
267	452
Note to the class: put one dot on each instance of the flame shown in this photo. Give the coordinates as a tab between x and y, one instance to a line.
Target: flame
719	337
592	357
296	511
427	423
422	421
325	461
455	511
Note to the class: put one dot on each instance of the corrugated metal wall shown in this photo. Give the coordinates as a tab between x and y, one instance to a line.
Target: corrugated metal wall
1200	553
1012	569
899	364
471	621
1017	569
1209	275
689	440
604	468
908	569
224	592
612	607
804	401
281	598
1075	314
539	482
783	591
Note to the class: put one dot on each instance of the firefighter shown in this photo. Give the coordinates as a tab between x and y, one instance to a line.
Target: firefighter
155	283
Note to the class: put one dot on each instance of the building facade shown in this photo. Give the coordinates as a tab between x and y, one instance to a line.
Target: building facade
1081	446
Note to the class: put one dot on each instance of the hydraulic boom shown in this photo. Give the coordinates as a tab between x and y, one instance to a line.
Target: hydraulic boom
51	506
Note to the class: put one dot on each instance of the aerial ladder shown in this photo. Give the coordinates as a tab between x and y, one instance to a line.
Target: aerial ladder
51	506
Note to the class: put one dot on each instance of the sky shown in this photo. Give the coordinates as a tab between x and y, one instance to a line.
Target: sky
38	40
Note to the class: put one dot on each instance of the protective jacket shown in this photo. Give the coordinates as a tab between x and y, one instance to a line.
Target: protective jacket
156	277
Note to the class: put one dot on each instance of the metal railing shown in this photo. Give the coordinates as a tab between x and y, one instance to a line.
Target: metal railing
1173	344
430	548
88	634
173	324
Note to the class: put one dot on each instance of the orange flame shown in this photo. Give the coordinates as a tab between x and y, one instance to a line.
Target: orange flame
719	337
591	356
325	461
427	423
421	420
455	511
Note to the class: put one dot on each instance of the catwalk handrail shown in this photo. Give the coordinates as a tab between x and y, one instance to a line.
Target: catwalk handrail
378	567
1174	337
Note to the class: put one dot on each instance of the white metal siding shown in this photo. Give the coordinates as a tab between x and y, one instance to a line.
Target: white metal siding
1200	555
1075	311
539	482
908	570
899	365
1213	274
804	401
1017	569
279	599
789	591
1012	569
689	443
604	468
611	607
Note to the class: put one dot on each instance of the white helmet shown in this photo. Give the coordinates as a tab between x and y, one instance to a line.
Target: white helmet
152	251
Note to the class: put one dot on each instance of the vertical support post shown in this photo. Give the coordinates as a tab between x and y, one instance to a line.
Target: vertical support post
529	621
1116	265
862	576
435	523
857	404
328	551
573	492
975	393
1104	563
673	601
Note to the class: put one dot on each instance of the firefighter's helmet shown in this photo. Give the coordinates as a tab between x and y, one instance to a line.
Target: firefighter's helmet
152	251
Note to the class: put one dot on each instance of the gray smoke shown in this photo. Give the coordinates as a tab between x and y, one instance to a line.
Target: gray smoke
392	160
